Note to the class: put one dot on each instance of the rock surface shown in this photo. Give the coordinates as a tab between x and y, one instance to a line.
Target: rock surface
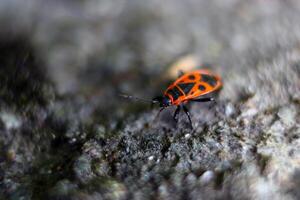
66	134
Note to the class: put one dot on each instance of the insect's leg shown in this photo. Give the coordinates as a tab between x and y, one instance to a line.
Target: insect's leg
175	116
157	115
203	99
188	115
180	73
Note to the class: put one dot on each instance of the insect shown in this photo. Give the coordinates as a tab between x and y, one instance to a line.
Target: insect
188	87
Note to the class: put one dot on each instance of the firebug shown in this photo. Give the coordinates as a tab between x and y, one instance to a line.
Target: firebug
188	87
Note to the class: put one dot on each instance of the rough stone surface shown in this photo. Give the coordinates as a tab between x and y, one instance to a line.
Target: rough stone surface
66	134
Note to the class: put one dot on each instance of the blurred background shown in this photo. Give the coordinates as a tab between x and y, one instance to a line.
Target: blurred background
84	43
63	64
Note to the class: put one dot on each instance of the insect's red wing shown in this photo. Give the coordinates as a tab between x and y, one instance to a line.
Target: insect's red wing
198	83
193	85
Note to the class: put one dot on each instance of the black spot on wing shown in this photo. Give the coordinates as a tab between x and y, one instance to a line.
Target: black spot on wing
175	93
191	77
186	87
202	87
209	79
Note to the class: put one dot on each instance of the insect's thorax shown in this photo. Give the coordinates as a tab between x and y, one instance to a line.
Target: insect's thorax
175	94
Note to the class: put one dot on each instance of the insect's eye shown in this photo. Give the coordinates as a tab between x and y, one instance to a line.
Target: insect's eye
166	101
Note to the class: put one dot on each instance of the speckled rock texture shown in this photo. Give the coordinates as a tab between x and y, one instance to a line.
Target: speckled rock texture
66	134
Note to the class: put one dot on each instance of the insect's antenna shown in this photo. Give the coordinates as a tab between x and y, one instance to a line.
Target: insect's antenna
137	98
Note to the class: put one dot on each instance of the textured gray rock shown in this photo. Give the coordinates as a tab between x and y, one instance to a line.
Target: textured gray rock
65	134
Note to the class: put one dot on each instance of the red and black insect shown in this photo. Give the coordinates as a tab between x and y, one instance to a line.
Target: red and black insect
188	87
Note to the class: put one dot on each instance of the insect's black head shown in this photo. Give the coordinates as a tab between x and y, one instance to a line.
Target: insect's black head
163	101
